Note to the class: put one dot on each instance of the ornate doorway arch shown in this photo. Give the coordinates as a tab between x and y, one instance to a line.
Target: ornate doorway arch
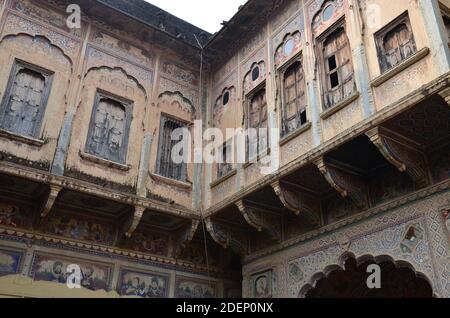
398	280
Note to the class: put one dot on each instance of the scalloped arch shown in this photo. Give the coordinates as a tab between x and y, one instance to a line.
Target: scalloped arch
121	70
326	272
16	35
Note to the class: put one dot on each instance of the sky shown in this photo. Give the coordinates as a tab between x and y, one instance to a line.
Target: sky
205	14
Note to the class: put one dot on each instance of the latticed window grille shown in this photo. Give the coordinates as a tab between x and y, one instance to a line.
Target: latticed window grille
258	135
167	166
294	106
395	43
25	99
339	81
109	128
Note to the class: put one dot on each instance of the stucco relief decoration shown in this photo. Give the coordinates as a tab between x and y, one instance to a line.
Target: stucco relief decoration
119	79
223	104
178	73
291	45
177	99
45	15
123	49
99	59
170	85
17	25
324	13
255	76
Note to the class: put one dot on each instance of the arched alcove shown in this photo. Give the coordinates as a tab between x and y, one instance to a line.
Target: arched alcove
398	280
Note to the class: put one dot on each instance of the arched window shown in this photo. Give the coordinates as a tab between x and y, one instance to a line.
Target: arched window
395	43
294	98
25	100
257	124
338	75
108	132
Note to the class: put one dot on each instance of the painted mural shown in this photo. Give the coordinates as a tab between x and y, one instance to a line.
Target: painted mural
11	216
144	285
148	243
79	228
190	288
54	269
10	262
262	285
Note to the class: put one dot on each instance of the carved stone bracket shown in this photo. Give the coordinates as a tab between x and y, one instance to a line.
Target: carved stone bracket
260	219
134	221
401	153
184	236
298	202
348	184
50	200
445	94
227	236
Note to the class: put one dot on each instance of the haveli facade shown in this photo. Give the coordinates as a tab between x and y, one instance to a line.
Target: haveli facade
359	90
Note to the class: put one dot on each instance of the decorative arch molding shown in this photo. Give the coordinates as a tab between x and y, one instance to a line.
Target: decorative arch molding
15	25
324	13
39	39
254	76
177	98
120	70
288	48
222	103
341	265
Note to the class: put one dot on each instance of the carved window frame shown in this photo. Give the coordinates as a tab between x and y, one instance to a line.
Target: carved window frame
380	37
298	58
248	99
128	107
48	75
320	40
181	124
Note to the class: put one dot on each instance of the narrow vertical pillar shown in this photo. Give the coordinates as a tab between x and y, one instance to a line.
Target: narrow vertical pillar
360	61
437	34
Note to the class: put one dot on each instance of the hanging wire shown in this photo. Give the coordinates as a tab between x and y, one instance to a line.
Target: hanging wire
202	218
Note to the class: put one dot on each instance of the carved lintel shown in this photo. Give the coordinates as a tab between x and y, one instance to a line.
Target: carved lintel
261	220
50	200
298	202
227	236
135	220
346	183
445	94
185	235
401	153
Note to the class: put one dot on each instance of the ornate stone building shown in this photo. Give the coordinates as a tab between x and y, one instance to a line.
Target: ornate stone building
359	90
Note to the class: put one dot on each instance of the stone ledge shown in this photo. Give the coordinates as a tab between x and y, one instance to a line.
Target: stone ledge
21	138
400	67
342	104
229	175
105	162
295	133
172	182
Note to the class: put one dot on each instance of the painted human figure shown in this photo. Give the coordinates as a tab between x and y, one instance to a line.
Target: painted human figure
58	275
154	289
88	280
